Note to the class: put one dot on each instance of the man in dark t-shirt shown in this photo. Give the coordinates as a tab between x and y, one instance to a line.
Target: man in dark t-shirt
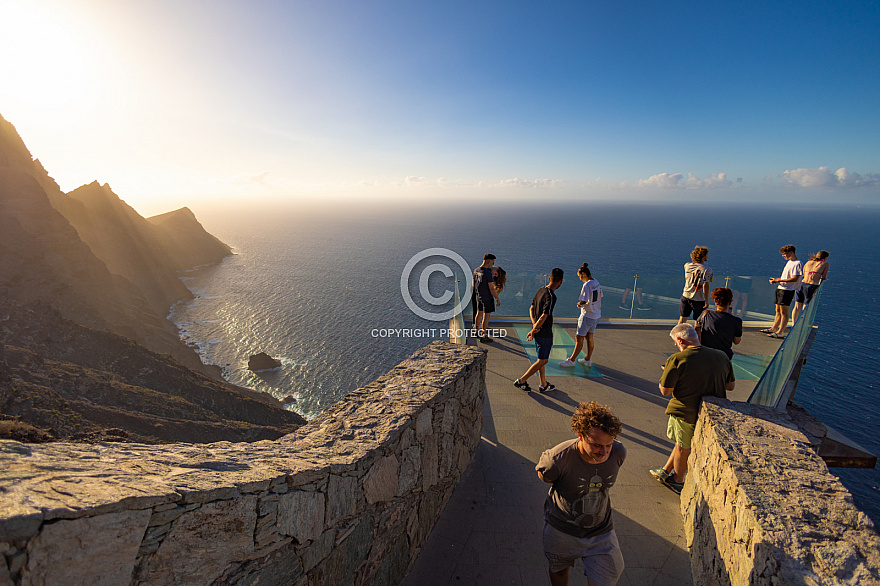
577	513
693	373
720	329
484	297
541	314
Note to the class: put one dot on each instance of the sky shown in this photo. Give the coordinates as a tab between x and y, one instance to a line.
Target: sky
188	102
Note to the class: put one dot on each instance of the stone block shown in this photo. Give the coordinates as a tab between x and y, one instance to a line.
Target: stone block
343	497
380	483
319	550
410	470
430	464
424	424
301	515
221	532
89	550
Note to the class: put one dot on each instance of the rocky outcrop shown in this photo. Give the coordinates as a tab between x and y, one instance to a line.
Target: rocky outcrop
760	506
78	382
262	361
348	499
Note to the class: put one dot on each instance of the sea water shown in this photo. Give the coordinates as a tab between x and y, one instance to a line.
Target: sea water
321	290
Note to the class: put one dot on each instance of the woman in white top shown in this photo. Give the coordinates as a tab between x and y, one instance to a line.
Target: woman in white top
590	302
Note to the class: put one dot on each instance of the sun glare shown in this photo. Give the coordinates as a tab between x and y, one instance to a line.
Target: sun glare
44	65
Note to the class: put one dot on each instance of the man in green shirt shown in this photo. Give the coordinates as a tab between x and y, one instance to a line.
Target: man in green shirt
689	375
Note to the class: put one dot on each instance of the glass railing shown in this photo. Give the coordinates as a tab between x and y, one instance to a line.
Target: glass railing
770	390
656	296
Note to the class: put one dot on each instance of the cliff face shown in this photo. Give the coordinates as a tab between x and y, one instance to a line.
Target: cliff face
92	262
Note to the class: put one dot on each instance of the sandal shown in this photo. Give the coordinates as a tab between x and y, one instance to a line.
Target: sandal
766	331
775	335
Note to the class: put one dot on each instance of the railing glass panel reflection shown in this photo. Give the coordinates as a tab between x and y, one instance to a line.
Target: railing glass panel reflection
656	296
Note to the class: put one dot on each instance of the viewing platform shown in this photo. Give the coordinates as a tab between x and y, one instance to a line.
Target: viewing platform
490	531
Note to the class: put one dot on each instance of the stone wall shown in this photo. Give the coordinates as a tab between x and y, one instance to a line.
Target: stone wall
348	499
760	507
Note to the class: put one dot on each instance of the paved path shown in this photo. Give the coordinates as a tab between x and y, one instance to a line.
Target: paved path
490	531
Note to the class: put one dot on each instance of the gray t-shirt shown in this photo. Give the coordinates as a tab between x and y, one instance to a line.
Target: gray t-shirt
578	502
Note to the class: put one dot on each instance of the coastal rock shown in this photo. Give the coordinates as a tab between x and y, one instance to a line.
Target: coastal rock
262	361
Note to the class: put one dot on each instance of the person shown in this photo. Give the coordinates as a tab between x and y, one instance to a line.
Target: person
815	271
541	314
697	276
499	279
692	373
577	513
720	329
590	303
788	284
485	297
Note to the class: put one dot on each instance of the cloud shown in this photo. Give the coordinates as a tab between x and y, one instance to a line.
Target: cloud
529	183
258	179
662	180
712	181
823	177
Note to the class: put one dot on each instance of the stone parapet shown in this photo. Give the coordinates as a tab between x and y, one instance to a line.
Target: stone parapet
348	499
760	507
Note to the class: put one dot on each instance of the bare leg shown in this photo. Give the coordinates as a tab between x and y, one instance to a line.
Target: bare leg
680	458
590	345
478	317
559	578
485	326
682	320
742	310
777	319
541	373
784	320
578	345
798	307
535	367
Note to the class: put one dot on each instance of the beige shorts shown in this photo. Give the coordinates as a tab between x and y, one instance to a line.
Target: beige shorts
603	560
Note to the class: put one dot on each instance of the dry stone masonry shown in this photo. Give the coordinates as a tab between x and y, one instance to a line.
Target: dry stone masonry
348	499
760	507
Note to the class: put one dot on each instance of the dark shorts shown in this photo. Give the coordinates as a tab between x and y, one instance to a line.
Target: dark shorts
686	306
544	345
784	297
485	306
805	295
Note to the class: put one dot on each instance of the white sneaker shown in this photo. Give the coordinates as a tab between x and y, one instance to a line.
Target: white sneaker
585	362
566	363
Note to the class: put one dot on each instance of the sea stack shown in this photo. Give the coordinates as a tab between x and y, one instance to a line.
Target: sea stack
262	361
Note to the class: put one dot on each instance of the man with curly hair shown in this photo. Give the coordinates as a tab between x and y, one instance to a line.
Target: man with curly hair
577	512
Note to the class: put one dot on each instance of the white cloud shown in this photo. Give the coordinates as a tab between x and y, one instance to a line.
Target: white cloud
712	181
662	180
413	180
823	177
529	183
257	179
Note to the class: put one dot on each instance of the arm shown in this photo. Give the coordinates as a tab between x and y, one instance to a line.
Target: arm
737	339
541	476
494	291
706	295
665	391
730	386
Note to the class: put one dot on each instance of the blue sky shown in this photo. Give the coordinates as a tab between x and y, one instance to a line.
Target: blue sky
193	101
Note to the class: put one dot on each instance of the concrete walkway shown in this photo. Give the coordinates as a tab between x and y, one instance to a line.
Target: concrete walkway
490	531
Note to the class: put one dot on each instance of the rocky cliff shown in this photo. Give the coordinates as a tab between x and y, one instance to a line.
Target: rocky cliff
87	266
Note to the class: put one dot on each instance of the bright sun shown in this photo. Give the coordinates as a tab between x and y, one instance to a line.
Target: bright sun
43	61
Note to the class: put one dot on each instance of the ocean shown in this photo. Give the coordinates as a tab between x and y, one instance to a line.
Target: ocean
321	289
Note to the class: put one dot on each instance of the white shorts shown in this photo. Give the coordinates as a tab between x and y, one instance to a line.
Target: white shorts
586	325
603	560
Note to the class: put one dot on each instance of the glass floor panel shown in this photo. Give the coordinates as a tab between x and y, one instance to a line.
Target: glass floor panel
563	346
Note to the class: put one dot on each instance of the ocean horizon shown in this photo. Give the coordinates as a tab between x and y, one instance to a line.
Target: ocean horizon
311	287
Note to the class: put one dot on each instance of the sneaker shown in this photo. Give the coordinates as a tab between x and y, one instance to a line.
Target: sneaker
546	389
660	474
585	362
486	340
566	363
644	308
622	306
522	386
674	486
